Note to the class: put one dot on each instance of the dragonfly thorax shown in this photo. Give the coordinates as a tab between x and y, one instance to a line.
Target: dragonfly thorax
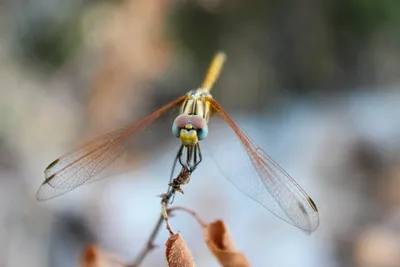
197	103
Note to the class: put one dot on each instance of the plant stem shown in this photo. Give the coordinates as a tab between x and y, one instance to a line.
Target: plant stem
149	244
175	186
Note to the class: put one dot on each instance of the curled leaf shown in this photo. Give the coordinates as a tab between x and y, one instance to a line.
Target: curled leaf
92	256
220	243
177	253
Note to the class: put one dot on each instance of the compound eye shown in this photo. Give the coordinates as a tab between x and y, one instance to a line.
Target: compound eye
176	130
200	124
182	120
179	123
202	132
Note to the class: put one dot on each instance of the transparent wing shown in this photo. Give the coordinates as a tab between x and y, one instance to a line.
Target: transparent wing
258	176
86	162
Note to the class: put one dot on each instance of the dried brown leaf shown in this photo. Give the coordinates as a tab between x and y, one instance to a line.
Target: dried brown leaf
177	253
221	245
92	256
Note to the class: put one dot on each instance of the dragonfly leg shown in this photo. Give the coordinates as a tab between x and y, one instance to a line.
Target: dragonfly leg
197	152
197	157
193	159
178	157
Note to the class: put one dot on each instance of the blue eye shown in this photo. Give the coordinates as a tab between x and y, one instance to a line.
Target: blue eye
202	132
176	130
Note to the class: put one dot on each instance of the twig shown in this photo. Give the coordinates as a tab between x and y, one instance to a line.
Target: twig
164	214
149	245
175	186
191	212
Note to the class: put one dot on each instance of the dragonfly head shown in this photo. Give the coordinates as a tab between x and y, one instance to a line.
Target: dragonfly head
190	129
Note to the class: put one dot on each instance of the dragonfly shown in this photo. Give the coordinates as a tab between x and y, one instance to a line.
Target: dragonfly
237	155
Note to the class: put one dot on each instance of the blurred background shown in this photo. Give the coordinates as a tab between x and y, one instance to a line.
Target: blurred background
316	83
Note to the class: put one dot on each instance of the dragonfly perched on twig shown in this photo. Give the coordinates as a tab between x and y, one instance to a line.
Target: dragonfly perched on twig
244	163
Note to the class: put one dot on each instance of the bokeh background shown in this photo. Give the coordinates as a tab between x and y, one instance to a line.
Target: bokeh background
316	83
